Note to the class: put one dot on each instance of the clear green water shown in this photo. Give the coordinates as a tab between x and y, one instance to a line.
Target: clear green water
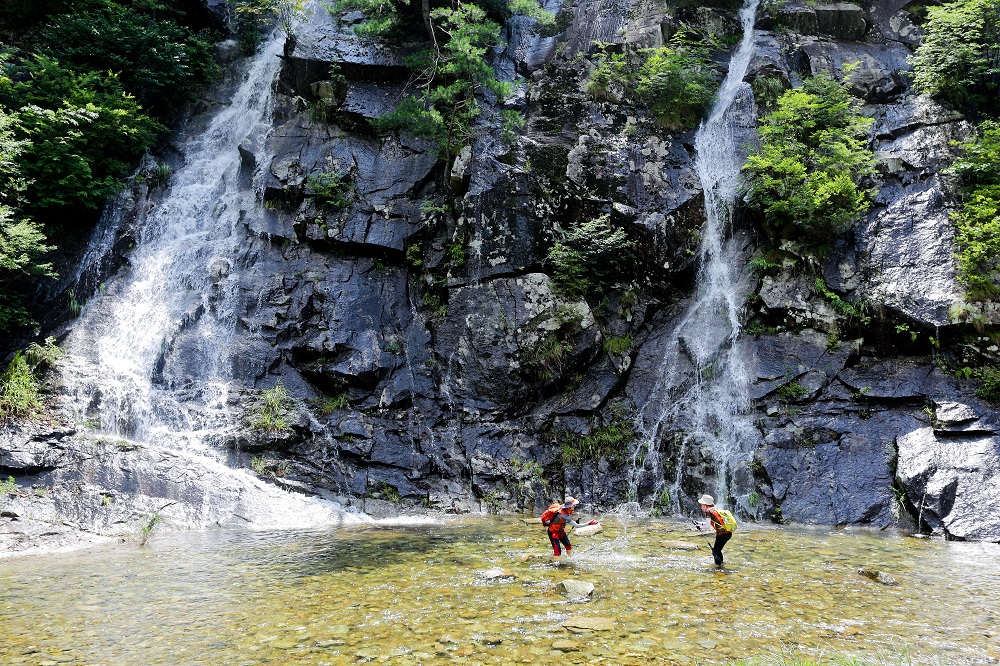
419	595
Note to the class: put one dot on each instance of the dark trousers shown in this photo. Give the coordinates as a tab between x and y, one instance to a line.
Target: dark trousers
555	543
721	539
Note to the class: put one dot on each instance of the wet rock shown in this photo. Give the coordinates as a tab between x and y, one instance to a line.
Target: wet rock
948	480
566	646
496	573
841	20
575	590
880	577
680	545
580	623
878	70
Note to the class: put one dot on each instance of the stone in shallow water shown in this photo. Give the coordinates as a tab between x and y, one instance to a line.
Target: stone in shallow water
566	646
680	545
576	590
589	623
497	573
878	576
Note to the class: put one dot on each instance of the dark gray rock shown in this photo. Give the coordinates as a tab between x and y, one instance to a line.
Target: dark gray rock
949	481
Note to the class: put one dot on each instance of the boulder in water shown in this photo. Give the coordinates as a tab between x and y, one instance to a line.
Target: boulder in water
576	590
878	576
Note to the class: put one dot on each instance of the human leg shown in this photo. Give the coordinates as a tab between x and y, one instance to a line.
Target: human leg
555	545
721	540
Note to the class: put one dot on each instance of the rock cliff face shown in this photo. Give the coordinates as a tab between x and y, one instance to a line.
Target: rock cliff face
416	318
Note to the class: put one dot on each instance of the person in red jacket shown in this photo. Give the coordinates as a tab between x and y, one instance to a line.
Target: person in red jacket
557	527
722	535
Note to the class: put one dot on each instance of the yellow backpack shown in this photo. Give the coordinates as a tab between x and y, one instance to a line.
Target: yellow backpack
728	519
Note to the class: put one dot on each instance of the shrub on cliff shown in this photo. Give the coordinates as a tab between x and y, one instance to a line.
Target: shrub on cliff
805	176
453	72
591	257
22	241
677	82
959	61
977	222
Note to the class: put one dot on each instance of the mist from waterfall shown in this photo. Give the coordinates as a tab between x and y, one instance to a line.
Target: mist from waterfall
701	393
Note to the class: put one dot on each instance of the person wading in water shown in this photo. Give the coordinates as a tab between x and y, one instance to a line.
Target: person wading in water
722	535
558	522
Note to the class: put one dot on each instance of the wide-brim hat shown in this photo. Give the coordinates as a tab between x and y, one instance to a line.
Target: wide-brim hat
706	499
570	503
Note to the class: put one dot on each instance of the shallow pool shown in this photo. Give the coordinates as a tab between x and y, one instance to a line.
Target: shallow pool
483	590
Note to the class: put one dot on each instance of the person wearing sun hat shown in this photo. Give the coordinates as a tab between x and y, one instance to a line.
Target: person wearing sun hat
722	535
557	527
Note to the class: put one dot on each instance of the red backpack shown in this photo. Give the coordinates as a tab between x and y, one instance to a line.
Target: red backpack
550	513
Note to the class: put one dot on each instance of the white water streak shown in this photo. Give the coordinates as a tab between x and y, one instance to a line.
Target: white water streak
153	354
703	381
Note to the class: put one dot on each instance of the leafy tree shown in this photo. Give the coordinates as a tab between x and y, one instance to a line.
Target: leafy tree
677	82
81	133
21	241
959	60
804	177
977	222
590	256
158	61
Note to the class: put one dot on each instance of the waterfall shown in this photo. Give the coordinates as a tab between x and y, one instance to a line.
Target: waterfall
701	393
156	354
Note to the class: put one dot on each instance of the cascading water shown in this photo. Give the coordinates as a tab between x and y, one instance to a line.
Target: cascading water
154	355
702	390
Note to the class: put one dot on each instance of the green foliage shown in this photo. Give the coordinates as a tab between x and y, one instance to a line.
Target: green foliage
511	122
618	345
766	91
677	82
545	360
612	442
591	256
611	72
792	391
270	411
661	503
22	241
990	390
254	17
804	176
857	312
384	491
44	355
7	487
453	71
959	60
147	528
158	61
762	265
977	222
330	191
81	132
333	404
19	397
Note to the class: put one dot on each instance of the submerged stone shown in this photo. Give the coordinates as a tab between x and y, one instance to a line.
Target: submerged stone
576	590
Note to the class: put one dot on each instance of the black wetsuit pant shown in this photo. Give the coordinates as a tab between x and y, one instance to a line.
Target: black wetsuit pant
721	539
555	543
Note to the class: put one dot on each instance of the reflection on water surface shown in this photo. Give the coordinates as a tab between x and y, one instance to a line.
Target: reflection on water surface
482	590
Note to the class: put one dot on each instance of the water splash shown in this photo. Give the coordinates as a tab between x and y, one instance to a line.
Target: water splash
702	390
